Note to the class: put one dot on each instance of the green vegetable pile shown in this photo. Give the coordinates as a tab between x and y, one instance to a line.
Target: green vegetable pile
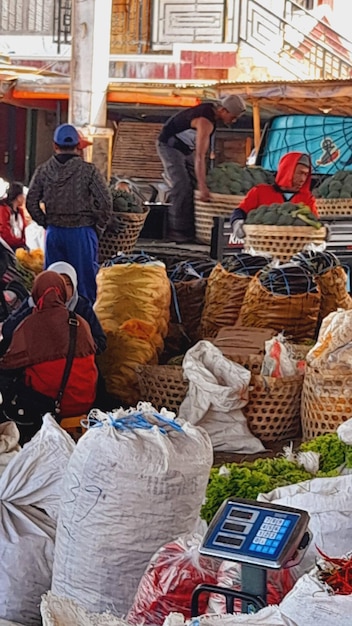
333	452
249	479
231	178
284	214
125	201
337	186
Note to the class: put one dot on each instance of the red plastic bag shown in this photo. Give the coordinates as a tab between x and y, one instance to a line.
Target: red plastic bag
169	581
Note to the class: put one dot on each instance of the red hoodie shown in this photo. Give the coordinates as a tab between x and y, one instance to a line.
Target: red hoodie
269	194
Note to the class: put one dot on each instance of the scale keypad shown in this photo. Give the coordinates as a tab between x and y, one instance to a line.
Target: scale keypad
269	535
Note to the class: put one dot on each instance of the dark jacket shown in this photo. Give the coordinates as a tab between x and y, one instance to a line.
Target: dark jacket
82	308
74	193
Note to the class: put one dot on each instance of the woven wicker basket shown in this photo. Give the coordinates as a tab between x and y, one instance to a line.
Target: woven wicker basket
220	205
130	225
281	241
273	410
332	207
326	401
162	385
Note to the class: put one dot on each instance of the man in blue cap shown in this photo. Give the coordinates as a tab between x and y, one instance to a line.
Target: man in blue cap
78	207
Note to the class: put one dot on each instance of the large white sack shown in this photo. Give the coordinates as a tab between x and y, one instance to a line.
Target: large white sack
63	612
218	389
329	504
9	446
34	476
29	491
310	603
126	493
269	616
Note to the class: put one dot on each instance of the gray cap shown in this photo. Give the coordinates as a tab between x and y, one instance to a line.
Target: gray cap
304	159
233	104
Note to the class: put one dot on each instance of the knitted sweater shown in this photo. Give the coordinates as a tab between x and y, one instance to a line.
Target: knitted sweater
74	194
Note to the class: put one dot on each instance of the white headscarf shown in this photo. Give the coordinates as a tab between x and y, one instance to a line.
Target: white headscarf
61	267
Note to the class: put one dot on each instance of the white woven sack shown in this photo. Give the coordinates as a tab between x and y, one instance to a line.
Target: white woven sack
57	611
9	446
126	493
310	603
329	504
269	616
218	389
27	534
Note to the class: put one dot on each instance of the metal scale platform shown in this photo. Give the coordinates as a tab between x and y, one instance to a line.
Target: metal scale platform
260	536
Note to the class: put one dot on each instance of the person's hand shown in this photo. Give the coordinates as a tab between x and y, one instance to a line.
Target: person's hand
237	229
204	194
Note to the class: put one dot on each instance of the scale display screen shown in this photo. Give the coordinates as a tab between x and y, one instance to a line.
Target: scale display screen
254	532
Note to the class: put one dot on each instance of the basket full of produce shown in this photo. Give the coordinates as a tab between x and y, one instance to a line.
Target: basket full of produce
282	229
228	183
334	195
129	215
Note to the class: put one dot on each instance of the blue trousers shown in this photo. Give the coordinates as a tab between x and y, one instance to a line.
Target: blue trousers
79	247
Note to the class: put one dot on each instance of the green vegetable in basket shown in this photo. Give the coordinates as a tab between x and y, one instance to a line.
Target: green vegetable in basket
231	178
337	186
284	214
125	201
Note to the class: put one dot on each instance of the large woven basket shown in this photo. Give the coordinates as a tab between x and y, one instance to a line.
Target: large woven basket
326	401
130	225
220	205
162	385
273	410
281	241
332	207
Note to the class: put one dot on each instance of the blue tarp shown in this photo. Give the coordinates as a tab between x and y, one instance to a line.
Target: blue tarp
328	140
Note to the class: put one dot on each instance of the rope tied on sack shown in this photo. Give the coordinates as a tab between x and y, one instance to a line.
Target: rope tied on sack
144	416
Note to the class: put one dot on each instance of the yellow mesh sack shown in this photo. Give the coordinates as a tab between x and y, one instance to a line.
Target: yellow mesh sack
133	307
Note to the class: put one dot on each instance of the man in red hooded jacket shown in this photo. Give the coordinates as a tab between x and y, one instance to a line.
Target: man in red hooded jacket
292	184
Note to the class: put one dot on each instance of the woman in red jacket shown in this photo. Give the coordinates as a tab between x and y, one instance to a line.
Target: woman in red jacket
12	219
292	184
39	348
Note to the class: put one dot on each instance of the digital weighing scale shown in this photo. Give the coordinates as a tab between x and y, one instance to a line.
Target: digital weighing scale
260	536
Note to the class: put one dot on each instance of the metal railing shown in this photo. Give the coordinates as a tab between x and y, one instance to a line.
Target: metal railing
296	40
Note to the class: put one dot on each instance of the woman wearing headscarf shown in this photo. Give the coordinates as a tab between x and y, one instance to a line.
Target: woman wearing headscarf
12	218
75	302
39	347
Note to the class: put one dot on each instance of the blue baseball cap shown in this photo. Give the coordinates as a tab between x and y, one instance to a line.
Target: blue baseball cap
66	136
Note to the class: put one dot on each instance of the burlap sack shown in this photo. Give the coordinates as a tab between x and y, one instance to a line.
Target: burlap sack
334	294
296	315
223	299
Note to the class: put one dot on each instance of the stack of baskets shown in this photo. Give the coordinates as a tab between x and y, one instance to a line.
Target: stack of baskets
162	385
273	410
220	205
130	226
326	401
281	242
334	207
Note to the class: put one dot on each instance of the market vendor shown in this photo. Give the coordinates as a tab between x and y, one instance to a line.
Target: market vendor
182	146
292	184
